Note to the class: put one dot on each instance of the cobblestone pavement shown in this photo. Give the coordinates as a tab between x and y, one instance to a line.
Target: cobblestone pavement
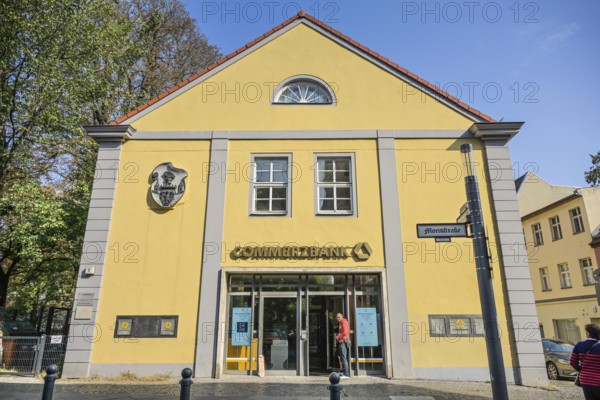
290	388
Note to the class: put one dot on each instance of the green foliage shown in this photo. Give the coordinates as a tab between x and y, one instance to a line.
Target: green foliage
593	175
40	240
164	48
63	65
48	75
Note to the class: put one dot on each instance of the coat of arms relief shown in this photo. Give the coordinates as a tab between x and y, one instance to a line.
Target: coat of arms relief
169	185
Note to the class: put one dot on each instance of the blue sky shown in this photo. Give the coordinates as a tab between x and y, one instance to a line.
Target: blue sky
532	61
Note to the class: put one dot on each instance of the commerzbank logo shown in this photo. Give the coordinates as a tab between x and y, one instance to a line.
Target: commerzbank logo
361	251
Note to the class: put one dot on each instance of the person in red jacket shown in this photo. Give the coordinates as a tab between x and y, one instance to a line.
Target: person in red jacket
342	337
586	359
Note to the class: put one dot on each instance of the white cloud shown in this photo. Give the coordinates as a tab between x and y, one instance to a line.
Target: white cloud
556	38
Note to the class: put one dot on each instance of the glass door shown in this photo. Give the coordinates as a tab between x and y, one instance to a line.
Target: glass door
290	321
279	339
322	331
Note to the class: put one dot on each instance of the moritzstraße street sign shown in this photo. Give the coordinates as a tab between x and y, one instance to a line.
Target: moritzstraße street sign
441	232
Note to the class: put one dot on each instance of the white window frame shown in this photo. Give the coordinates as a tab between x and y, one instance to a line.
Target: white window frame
352	184
255	185
538	236
306	78
555	228
545	278
565	276
587	271
576	220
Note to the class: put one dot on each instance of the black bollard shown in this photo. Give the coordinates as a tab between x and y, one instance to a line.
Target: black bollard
186	384
49	382
335	388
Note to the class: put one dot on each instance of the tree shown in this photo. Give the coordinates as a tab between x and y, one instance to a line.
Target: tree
65	64
40	247
47	77
593	175
171	48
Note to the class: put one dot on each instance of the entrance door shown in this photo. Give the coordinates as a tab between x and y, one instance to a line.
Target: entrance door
322	330
289	320
279	334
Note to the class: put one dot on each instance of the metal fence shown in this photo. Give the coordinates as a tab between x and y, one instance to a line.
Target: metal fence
26	355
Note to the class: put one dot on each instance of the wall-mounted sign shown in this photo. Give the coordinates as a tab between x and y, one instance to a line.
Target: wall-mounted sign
167	326
83	312
241	322
361	251
146	326
169	185
441	232
124	326
85	299
85	302
366	324
56	339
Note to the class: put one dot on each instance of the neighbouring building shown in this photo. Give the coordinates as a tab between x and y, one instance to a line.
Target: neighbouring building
558	223
235	215
595	243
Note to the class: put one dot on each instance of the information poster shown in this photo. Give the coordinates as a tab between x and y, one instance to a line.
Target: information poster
241	321
366	322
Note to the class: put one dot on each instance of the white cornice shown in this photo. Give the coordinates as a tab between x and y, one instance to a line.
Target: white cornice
110	133
495	130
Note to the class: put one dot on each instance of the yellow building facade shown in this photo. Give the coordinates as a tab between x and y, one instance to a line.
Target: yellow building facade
234	216
558	222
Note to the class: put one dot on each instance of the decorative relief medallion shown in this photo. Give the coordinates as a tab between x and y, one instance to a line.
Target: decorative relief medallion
169	185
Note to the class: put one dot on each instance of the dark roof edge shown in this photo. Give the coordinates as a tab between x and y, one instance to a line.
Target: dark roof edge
551	205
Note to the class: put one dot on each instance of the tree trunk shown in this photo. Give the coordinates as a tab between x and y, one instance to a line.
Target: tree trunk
4	278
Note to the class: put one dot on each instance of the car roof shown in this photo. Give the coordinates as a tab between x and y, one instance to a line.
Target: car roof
556	341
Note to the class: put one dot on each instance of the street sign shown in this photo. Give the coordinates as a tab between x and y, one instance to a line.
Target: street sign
441	232
463	215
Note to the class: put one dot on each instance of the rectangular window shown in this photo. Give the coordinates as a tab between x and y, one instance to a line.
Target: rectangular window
437	326
456	325
545	277
567	329
587	271
538	238
270	185
146	326
555	228
565	276
335	191
576	220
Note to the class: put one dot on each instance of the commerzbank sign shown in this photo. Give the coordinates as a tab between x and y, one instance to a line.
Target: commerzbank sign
360	251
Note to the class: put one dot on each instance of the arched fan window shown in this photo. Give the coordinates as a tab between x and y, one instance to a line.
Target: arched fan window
303	90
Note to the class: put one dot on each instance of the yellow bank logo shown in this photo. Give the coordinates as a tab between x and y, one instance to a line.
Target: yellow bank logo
168	324
125	325
362	251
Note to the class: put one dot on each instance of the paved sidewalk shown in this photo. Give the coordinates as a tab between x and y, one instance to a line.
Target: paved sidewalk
289	388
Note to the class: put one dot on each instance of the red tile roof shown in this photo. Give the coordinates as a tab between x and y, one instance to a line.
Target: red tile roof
329	29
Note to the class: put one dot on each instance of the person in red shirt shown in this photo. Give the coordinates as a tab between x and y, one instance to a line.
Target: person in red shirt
586	359
342	337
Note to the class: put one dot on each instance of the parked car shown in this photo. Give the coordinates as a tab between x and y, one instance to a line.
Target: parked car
557	354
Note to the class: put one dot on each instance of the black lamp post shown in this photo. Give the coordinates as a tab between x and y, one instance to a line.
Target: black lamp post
484	279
